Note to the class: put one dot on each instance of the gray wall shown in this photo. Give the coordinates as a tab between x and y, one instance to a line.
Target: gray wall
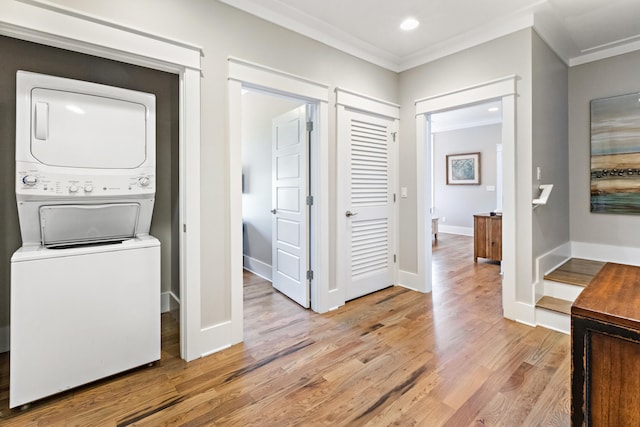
222	31
21	55
458	203
608	77
509	55
258	110
550	147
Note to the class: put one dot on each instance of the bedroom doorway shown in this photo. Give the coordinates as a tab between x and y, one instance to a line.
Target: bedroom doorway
501	89
276	133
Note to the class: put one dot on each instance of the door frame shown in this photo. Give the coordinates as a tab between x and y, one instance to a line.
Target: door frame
504	89
62	27
265	79
349	100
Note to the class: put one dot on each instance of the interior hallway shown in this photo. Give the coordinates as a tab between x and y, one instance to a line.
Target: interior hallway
393	357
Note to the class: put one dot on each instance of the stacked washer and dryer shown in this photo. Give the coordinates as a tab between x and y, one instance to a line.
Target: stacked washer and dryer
85	285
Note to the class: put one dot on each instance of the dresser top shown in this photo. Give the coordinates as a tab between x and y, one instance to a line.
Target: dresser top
488	215
613	296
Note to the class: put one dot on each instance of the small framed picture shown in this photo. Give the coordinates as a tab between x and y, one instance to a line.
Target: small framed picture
463	169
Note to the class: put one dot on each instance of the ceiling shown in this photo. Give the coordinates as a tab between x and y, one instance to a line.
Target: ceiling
486	113
579	31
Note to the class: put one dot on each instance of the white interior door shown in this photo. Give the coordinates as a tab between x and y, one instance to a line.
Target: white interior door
366	239
290	155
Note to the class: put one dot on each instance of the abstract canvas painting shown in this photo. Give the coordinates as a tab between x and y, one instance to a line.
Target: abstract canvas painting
463	168
615	154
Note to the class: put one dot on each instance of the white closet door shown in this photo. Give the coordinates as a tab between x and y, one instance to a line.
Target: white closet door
366	216
290	157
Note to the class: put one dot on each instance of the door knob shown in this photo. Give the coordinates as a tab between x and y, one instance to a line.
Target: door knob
349	214
273	211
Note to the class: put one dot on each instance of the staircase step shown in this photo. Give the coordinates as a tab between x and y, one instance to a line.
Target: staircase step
576	271
555	304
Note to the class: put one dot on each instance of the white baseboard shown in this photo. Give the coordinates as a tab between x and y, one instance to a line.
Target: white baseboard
454	229
258	267
5	341
408	280
525	313
606	253
169	302
548	262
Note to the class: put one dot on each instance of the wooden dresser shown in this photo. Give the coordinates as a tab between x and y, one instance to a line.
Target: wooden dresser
605	346
487	237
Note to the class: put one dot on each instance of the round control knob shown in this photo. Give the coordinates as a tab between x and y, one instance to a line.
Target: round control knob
30	180
144	181
88	188
73	188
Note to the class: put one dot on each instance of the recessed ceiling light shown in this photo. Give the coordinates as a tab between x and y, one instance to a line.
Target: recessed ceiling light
409	24
493	109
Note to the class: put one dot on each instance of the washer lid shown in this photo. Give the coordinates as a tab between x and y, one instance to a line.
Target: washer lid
77	130
82	224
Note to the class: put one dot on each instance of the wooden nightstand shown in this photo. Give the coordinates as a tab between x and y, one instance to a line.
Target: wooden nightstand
487	237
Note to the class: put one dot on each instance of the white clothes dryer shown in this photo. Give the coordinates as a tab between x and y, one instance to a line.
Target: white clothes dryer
85	285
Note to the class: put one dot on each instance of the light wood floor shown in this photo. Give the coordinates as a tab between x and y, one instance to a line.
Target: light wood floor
396	357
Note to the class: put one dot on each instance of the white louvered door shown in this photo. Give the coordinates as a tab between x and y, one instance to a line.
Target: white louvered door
366	241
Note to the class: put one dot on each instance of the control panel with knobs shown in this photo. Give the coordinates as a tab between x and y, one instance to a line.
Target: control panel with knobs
35	183
30	180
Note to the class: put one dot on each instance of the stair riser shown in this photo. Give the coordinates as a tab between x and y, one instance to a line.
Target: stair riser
562	290
553	320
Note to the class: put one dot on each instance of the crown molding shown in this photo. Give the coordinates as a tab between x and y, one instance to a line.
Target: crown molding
538	16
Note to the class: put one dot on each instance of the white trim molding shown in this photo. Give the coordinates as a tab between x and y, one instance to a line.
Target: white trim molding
52	25
48	23
361	102
455	229
408	280
246	74
504	89
606	253
546	263
169	302
257	267
259	76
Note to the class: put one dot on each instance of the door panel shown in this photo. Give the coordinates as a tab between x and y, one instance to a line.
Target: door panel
290	212
367	214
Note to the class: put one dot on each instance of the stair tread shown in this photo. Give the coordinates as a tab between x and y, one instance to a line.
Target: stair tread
555	304
576	271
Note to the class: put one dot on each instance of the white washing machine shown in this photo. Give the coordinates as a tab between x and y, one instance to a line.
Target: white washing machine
85	285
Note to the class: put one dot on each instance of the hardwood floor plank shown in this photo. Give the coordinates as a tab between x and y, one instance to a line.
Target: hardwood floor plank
395	357
555	304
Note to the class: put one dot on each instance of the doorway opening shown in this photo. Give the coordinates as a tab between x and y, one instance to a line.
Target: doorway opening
277	133
503	89
469	136
466	136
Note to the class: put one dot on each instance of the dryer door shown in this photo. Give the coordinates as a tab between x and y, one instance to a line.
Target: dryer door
78	130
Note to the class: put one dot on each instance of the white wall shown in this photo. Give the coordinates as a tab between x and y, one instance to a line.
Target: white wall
258	110
509	55
223	31
607	77
551	223
458	203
